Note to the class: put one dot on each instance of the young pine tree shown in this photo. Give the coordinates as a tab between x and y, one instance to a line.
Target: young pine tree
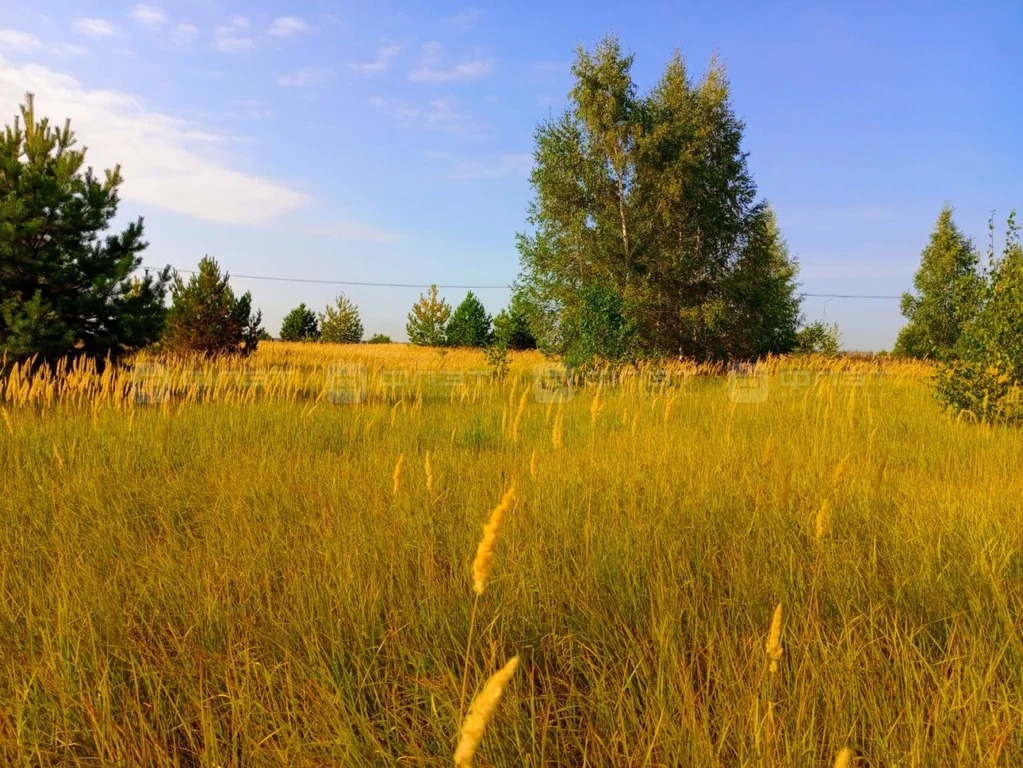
205	316
340	322
300	324
66	284
427	322
948	289
470	325
512	328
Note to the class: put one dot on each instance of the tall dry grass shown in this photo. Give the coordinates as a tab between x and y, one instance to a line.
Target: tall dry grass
236	575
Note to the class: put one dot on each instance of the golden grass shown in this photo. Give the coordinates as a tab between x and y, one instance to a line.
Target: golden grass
227	570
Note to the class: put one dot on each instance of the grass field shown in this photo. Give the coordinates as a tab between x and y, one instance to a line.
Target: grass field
264	571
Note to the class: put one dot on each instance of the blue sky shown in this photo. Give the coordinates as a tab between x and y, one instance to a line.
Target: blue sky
391	142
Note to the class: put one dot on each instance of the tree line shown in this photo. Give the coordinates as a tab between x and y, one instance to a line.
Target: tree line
647	238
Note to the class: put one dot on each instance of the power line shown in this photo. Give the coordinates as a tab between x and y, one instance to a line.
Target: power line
845	296
469	287
341	282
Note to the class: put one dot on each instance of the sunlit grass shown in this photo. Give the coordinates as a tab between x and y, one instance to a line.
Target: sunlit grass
265	575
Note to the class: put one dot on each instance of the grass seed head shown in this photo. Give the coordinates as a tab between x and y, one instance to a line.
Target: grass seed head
823	519
398	467
774	640
480	712
844	758
485	551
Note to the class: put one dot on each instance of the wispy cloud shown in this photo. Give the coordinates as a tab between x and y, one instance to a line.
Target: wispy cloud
503	167
383	60
442	115
148	15
168	163
97	28
253	109
16	42
431	69
305	78
346	229
465	19
184	33
13	41
287	26
233	37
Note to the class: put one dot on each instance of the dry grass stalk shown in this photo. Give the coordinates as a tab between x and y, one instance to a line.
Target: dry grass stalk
485	551
480	713
774	650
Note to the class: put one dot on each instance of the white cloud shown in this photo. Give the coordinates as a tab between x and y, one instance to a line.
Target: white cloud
442	115
354	230
22	42
67	49
305	78
12	40
464	19
168	163
253	109
504	166
184	33
383	60
431	71
148	15
232	37
287	26
95	27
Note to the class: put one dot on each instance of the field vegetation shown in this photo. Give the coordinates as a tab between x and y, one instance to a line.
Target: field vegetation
245	570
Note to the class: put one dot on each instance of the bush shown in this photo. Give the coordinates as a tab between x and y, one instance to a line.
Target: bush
379	338
818	338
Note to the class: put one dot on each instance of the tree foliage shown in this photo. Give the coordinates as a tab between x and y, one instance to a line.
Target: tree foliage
984	375
379	338
340	322
948	289
818	338
470	325
427	322
300	324
205	317
66	286
512	325
645	214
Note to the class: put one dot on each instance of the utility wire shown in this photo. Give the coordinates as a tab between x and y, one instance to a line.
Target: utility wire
467	287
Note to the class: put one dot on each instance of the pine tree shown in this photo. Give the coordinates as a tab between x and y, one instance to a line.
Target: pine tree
512	325
205	316
340	323
948	288
470	325
427	322
300	324
645	213
66	284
